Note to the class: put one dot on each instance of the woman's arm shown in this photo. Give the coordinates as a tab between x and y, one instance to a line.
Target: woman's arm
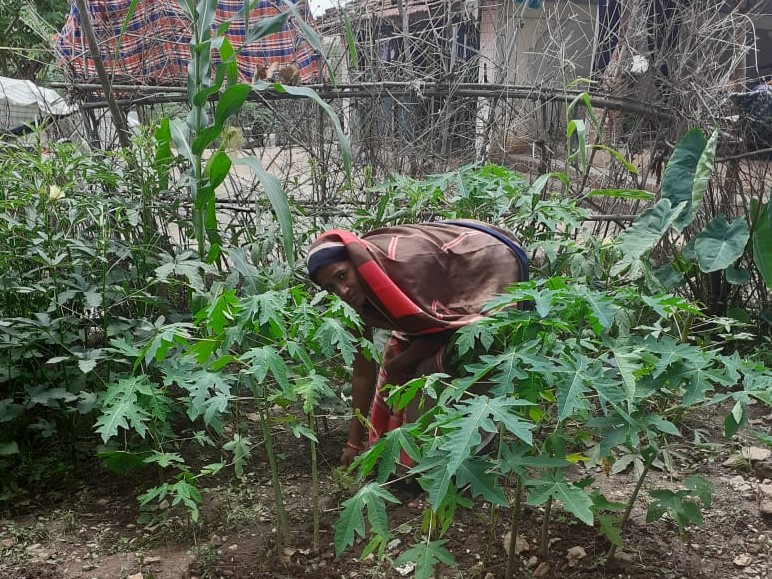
362	392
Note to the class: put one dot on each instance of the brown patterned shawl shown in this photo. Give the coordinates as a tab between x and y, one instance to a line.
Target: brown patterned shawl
431	277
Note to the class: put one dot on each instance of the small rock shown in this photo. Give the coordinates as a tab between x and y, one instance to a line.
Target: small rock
135	576
405	569
739	484
743	560
574	554
532	562
623	557
765	500
542	569
490	576
521	545
393	544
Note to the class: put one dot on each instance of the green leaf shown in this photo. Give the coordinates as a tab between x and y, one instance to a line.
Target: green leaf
394	442
721	243
121	462
679	176
644	234
574	499
737	276
577	126
541	181
264	359
762	240
703	173
332	337
571	390
623	194
610	529
628	364
230	102
735	419
279	203
217	168
602	308
8	448
618	156
304	91
240	447
204	138
702	487
371	497
481	476
266	27
426	556
311	389
121	409
180	132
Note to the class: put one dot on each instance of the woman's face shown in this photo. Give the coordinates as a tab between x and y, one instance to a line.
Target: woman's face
341	279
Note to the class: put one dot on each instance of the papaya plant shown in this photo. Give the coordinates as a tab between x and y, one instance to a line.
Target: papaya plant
576	379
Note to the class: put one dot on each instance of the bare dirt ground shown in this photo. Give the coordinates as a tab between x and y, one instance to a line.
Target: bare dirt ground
89	528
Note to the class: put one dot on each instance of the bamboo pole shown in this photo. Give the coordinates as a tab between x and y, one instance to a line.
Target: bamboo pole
118	117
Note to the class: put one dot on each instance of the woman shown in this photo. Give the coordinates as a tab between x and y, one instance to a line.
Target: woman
423	282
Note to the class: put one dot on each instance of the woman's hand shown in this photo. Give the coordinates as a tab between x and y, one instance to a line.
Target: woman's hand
350	452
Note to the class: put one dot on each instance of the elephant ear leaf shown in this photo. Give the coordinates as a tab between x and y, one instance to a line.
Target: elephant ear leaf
762	240
721	243
678	182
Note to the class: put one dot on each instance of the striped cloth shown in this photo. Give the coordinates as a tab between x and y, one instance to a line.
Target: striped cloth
155	47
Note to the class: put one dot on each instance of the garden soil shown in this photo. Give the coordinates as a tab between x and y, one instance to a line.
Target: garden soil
91	527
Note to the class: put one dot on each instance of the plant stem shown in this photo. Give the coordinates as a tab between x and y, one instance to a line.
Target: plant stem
511	555
314	487
633	497
545	526
282	527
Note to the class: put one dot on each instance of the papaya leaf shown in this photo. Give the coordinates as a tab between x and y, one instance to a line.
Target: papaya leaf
371	497
574	499
628	364
240	447
426	556
482	478
121	409
609	527
571	390
333	338
721	243
395	441
264	359
311	389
